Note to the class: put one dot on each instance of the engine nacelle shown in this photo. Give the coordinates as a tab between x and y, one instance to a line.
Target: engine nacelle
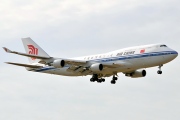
138	73
97	67
59	63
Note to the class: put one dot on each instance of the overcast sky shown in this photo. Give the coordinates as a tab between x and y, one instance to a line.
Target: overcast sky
72	28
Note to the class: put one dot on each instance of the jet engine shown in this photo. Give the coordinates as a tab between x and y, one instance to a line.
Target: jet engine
97	67
59	63
137	73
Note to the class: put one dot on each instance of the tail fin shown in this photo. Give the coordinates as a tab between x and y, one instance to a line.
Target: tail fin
32	48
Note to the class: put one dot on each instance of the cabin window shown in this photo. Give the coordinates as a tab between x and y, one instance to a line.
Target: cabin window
163	46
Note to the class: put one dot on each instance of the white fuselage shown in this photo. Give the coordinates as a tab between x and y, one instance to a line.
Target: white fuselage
127	60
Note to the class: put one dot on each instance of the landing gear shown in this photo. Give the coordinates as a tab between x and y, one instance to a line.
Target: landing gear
159	71
101	80
95	78
92	80
113	81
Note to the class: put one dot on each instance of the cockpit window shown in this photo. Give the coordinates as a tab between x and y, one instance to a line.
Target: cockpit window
163	46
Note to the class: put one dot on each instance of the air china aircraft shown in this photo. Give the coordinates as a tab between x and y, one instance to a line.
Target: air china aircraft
130	61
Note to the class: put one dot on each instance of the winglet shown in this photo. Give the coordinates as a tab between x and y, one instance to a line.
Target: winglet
7	50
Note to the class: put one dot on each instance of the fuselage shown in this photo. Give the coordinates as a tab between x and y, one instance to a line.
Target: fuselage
128	59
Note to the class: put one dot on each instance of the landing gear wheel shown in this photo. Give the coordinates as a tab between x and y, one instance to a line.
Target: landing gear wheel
114	79
113	82
103	80
159	72
92	80
99	80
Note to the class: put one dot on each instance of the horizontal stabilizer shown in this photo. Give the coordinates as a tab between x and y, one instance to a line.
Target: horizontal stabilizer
25	65
24	54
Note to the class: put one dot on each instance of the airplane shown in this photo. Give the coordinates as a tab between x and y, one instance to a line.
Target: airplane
130	61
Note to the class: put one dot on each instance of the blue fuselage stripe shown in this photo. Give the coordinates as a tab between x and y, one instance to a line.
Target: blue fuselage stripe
135	56
120	58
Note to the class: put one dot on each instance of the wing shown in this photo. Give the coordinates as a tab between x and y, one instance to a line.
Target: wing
24	65
116	64
45	60
24	54
83	67
75	62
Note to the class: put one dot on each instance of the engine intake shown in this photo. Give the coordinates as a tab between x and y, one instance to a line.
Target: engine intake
96	67
59	63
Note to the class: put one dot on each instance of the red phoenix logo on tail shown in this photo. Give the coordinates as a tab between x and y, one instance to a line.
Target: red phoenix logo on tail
33	51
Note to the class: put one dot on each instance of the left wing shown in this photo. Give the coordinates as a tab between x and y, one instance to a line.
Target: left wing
45	60
24	54
24	65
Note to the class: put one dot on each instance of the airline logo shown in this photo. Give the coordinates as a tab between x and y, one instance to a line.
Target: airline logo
33	51
142	51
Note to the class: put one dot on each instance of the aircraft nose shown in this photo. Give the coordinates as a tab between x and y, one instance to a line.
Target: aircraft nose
176	53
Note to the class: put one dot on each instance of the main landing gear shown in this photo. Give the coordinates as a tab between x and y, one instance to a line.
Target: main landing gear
113	81
95	78
159	71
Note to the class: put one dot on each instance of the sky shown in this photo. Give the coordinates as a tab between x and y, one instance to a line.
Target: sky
72	28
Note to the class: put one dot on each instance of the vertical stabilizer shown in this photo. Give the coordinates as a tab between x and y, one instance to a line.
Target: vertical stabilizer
32	48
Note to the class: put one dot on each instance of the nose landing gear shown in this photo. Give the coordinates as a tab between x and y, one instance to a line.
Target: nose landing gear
159	71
